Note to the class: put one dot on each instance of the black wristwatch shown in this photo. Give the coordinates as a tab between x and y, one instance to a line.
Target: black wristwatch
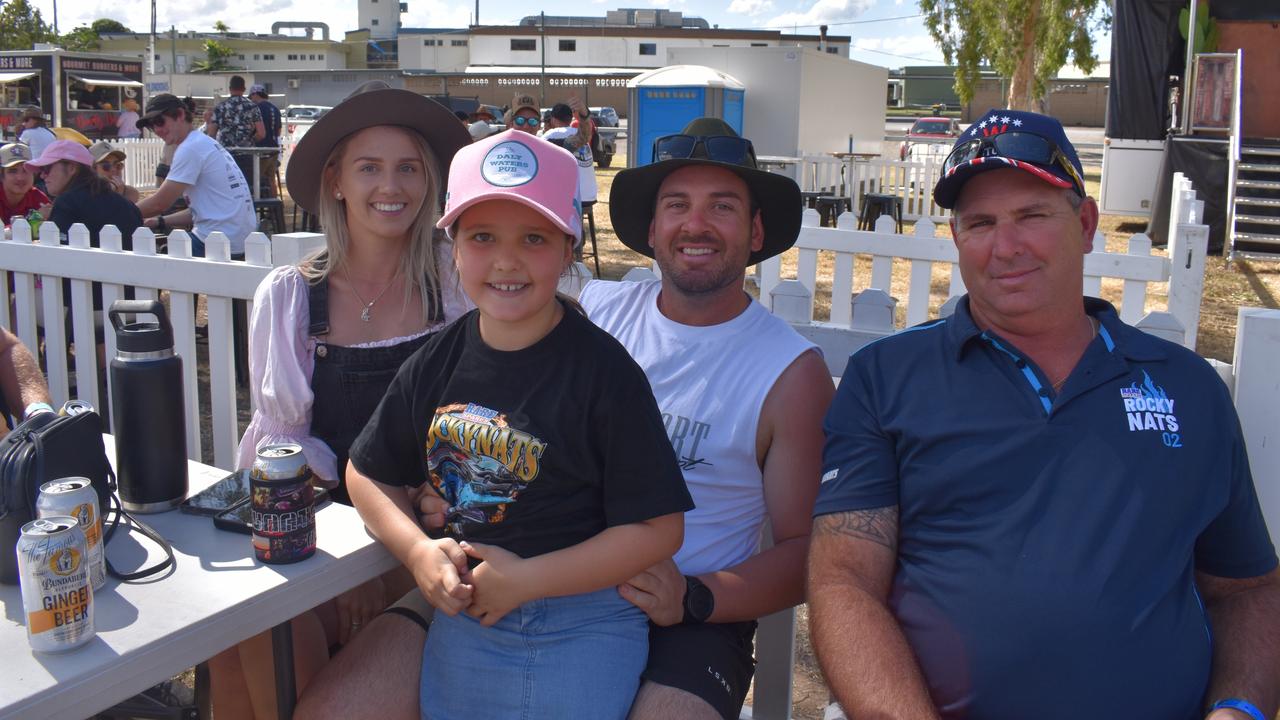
699	602
161	225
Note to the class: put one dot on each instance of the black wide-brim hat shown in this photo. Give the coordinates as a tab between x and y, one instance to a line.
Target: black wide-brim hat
631	199
372	104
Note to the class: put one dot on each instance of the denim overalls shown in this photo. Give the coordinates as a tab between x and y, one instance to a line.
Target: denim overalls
349	382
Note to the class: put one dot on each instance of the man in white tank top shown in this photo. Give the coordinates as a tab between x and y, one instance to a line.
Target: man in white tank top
743	396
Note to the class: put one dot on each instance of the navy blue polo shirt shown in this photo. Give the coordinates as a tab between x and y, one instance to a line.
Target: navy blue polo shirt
1048	543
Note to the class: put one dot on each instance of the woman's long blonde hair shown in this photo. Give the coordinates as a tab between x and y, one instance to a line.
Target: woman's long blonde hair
419	260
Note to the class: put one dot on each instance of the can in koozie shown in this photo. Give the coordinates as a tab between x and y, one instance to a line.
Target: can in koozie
283	498
57	595
75	496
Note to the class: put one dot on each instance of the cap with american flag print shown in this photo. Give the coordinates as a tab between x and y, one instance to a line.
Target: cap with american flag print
1034	143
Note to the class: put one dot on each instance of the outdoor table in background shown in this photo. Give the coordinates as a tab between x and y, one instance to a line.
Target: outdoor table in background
258	153
780	164
216	596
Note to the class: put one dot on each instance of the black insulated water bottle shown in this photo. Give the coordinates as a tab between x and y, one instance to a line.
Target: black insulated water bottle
147	409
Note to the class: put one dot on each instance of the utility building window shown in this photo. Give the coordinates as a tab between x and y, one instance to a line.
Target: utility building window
458	43
568	45
375	21
517	44
648	48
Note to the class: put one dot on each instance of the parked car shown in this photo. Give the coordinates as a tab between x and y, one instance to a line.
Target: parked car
604	145
308	112
930	130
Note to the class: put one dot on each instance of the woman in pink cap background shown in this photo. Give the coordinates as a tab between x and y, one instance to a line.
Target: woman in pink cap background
543	436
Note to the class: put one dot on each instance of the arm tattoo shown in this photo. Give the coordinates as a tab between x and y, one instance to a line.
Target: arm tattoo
879	525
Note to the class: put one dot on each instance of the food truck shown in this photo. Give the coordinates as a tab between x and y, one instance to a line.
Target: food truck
83	91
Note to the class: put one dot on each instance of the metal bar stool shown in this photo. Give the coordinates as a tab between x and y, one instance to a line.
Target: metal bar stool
589	221
270	211
874	205
830	207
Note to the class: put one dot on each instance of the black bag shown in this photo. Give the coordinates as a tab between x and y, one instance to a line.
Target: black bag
46	447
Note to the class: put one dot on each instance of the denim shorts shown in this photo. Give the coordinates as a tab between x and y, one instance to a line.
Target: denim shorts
554	658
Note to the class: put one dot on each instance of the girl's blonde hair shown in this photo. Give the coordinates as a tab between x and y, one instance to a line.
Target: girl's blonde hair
419	260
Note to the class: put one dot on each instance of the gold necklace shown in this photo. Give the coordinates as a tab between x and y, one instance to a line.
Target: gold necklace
368	306
1093	325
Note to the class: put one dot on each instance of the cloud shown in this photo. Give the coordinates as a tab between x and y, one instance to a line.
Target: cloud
750	7
823	12
903	46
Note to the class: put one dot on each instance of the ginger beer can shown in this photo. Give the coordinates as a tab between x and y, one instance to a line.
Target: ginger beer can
76	497
57	594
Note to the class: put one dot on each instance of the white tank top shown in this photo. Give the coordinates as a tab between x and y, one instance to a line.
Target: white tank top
710	383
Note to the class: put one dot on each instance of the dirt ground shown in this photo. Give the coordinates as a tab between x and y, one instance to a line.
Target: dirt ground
1245	283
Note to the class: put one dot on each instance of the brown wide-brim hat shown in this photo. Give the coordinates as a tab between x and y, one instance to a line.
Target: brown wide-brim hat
372	104
631	199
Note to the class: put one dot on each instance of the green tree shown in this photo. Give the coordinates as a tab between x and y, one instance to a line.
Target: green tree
102	26
217	56
89	37
80	38
22	26
221	27
1026	41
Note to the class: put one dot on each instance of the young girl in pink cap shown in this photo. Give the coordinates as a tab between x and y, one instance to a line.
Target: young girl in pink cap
543	436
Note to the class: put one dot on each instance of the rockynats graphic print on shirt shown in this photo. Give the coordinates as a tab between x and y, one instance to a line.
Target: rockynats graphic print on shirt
479	464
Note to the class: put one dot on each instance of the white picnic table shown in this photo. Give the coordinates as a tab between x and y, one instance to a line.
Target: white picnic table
217	595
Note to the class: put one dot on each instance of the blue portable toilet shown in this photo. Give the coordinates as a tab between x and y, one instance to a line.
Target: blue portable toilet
663	101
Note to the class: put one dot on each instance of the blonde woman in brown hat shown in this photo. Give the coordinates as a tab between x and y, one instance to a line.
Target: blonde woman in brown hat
327	336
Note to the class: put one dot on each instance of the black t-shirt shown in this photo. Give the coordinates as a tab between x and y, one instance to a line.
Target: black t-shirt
537	449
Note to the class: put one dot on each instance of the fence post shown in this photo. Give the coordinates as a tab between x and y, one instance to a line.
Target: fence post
222	370
639	274
1257	397
792	301
82	321
1188	249
24	290
1164	326
292	248
183	316
1133	296
873	312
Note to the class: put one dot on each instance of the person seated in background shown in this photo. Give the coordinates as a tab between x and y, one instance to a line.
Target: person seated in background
108	161
203	172
20	197
22	386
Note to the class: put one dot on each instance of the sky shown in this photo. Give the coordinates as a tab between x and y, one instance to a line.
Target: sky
890	33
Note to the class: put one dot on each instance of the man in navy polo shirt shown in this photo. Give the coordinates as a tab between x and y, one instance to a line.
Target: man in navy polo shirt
1030	509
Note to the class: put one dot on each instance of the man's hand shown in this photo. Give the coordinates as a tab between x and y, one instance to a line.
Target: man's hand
578	108
438	567
500	581
431	507
358	606
659	592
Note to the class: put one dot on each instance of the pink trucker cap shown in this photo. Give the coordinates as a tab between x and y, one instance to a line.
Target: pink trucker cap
63	150
516	166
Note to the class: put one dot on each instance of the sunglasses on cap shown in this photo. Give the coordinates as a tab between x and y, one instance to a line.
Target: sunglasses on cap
1019	146
720	148
520	121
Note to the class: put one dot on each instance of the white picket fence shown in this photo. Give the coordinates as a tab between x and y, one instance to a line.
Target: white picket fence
141	157
852	178
216	277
